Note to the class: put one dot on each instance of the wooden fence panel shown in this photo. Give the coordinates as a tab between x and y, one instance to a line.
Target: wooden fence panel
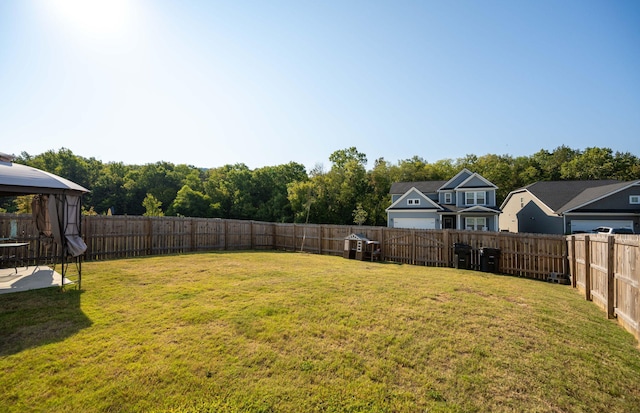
333	239
263	236
398	246
599	259
580	258
285	237
238	235
209	234
627	283
430	249
308	238
607	269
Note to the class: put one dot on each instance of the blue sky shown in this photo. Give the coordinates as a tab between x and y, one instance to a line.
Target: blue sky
209	83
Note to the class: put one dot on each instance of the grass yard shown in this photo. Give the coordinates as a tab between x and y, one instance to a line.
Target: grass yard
292	332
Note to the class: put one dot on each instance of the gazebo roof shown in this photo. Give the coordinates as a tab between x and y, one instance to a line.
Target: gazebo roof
17	179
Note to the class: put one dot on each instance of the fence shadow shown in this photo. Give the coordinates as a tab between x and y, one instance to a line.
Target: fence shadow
37	317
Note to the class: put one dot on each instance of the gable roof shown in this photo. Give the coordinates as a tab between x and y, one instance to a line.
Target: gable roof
556	194
461	176
590	195
472	182
464	179
426	187
416	191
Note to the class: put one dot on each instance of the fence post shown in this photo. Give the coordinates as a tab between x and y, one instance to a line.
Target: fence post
637	310
226	233
445	249
413	247
611	277
573	262
587	269
251	241
86	226
274	243
149	236
193	238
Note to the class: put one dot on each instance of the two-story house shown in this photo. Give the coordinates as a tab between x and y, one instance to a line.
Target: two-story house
466	201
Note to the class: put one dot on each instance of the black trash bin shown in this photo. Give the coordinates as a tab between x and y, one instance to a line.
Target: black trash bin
490	260
462	256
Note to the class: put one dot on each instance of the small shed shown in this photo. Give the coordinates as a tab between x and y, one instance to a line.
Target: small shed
359	247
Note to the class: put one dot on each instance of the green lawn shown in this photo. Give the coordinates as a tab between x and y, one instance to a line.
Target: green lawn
292	332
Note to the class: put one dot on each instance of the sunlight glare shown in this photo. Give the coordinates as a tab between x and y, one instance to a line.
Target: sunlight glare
98	19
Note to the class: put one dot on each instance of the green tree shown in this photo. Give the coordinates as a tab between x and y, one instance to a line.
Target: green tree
378	199
152	206
344	185
190	203
550	163
359	215
302	196
593	163
109	191
269	191
229	189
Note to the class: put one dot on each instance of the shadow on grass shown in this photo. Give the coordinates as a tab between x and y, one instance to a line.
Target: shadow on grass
38	317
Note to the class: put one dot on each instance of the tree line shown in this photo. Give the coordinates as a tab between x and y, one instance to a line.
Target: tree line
345	193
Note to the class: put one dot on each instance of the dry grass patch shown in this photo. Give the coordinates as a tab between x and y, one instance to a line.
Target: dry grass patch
288	332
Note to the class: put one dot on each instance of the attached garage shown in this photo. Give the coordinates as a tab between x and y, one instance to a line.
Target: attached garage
415	223
586	225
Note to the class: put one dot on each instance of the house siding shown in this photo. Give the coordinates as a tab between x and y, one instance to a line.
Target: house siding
532	219
618	202
492	221
525	213
474	182
490	196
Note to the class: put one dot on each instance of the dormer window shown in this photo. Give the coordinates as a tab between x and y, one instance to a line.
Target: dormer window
448	198
413	201
475	198
634	199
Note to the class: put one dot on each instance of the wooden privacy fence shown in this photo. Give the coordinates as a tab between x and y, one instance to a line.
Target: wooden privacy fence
109	237
606	269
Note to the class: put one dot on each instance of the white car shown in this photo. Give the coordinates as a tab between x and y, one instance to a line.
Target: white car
609	230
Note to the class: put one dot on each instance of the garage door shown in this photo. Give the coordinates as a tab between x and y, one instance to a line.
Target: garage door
581	225
417	223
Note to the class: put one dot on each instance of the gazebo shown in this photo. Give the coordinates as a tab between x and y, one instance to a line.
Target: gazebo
56	207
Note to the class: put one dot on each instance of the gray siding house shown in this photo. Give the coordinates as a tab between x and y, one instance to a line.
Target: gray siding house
568	207
466	201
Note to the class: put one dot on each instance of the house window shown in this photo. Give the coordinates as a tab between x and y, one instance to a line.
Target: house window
475	198
476	224
413	201
634	199
447	198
